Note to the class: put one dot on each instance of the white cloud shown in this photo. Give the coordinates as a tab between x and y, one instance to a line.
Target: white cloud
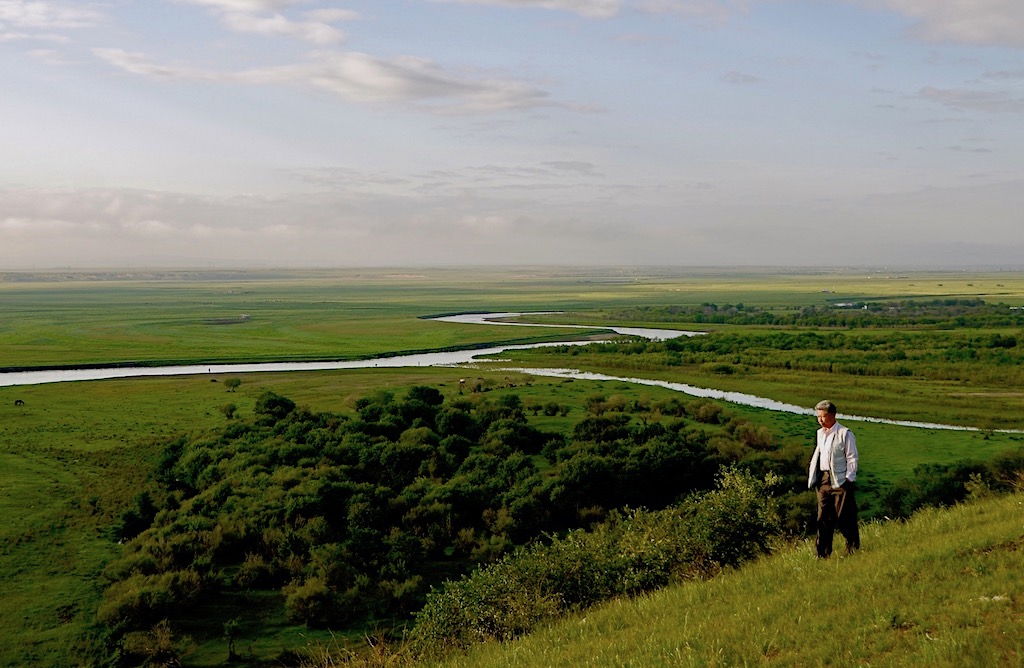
980	22
600	9
358	77
245	5
139	63
44	15
263	17
39	37
357	226
698	9
362	78
317	32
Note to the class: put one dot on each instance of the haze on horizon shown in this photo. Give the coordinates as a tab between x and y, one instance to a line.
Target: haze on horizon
303	133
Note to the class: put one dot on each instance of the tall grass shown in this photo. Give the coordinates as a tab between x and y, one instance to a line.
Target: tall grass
943	589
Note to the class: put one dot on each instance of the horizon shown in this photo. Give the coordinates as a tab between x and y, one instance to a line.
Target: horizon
890	272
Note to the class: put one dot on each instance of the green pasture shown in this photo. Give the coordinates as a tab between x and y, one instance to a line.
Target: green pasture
179	317
985	405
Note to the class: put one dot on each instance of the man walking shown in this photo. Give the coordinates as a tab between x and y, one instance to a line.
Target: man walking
833	472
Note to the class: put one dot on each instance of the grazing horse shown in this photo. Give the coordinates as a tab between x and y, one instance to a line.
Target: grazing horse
19	402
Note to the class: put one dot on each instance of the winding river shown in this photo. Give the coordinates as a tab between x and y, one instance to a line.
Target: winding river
453	358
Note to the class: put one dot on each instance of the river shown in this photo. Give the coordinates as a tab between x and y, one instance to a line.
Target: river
451	358
454	358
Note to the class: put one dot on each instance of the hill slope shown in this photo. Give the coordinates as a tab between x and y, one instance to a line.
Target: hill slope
945	588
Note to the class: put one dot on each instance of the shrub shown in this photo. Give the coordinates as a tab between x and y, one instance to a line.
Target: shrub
309	602
272	407
708	413
141	599
626	555
731	524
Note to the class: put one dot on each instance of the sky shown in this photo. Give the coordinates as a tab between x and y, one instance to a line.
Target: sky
300	133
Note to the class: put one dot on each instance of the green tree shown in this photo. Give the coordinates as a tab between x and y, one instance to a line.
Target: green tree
273	407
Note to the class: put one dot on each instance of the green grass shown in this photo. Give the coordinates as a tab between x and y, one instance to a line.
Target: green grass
905	398
178	317
75	454
943	589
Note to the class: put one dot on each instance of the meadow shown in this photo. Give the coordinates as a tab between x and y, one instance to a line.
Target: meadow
73	456
176	317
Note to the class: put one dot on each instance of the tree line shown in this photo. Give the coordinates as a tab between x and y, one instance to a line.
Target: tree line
979	356
838	312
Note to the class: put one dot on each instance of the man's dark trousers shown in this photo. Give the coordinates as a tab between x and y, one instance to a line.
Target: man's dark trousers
837	509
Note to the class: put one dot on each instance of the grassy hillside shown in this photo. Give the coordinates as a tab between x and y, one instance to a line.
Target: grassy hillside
943	589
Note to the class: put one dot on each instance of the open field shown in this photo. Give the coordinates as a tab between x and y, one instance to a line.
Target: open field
181	317
73	456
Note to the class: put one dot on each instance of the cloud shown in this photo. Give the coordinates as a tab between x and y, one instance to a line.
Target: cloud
245	5
263	17
573	166
356	223
573	177
49	57
991	102
603	9
24	36
979	22
358	77
138	63
693	9
600	9
44	15
317	32
126	227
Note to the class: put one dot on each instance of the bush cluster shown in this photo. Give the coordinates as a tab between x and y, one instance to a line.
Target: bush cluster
352	519
968	356
631	553
947	484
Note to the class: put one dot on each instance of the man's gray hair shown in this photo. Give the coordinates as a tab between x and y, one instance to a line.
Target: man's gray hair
827	406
